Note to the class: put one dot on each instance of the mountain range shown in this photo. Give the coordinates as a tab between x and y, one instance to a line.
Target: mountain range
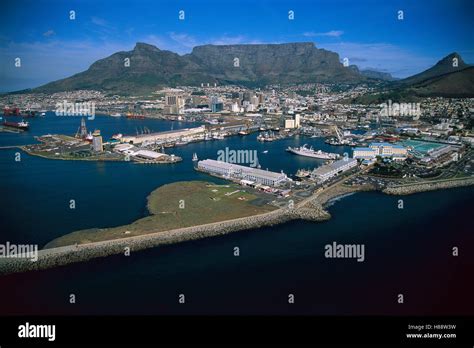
147	68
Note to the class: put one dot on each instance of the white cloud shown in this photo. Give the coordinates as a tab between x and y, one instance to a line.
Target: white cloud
100	22
184	39
332	33
49	33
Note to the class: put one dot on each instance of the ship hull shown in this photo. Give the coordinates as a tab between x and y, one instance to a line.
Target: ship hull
15	125
312	155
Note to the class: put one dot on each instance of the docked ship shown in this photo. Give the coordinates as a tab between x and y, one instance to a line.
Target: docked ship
135	116
266	137
18	125
309	152
17	112
303	173
181	143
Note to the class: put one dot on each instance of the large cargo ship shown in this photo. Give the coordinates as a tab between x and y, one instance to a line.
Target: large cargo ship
309	152
19	125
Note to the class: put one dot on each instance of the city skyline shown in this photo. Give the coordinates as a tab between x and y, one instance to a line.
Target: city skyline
369	34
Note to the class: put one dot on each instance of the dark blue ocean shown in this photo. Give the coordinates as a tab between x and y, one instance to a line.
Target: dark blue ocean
407	251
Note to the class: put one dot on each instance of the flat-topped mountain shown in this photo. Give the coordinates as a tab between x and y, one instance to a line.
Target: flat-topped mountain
254	65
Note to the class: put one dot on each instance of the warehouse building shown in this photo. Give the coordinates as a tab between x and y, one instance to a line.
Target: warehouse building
162	136
237	172
324	173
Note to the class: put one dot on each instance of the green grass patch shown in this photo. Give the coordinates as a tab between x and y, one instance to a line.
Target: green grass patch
181	204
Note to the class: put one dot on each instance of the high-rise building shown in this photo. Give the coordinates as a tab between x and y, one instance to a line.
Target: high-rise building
216	105
297	120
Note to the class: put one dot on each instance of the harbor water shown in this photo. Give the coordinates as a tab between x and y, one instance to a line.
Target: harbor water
407	251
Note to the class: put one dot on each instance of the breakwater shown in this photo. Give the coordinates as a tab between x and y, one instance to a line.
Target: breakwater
428	186
311	209
54	257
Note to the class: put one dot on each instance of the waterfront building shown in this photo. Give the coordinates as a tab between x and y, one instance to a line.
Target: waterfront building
364	153
148	155
97	145
238	172
324	173
396	152
162	136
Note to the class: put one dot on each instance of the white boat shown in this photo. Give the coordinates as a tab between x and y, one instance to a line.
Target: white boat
218	137
310	152
116	114
266	151
195	157
302	173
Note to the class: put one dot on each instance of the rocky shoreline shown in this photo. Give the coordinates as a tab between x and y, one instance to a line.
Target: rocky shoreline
428	186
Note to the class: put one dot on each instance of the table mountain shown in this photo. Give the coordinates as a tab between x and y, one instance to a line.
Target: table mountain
254	65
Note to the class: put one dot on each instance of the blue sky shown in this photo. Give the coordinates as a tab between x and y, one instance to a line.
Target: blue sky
367	32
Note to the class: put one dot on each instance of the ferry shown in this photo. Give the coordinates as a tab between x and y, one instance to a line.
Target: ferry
19	125
309	152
